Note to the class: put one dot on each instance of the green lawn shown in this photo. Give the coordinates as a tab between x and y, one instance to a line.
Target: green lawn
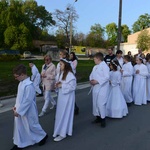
8	85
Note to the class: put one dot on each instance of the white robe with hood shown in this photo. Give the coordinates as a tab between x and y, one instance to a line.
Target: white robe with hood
27	130
139	84
126	83
36	78
100	91
65	106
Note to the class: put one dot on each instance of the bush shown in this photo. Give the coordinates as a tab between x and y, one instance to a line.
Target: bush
8	57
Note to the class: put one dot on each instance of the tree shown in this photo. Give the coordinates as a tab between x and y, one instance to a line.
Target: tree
79	39
64	19
143	41
143	22
125	32
60	38
96	35
111	30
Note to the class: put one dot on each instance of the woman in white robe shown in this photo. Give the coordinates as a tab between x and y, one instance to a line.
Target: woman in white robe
127	77
66	84
116	106
99	79
27	130
139	83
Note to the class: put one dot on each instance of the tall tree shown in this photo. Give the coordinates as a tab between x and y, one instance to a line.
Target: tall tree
96	35
125	32
65	18
143	41
143	22
111	30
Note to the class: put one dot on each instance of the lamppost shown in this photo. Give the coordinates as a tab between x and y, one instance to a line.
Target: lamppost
119	25
71	18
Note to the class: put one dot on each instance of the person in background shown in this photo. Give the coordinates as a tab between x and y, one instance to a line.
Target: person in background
116	106
131	58
74	61
110	56
35	78
48	74
127	78
27	130
119	58
66	85
143	58
99	79
139	83
148	78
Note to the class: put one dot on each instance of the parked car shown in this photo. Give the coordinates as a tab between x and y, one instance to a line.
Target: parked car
27	54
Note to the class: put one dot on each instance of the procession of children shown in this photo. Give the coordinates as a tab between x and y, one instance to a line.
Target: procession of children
115	85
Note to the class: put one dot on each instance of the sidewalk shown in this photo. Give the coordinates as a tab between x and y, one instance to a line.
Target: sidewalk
8	103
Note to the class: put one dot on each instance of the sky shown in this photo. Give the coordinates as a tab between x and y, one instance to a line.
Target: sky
100	11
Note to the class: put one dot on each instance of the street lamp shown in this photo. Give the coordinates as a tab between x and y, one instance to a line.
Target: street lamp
119	25
71	18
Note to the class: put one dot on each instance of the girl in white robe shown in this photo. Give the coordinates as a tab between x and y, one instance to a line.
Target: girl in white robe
27	130
127	77
116	106
148	78
99	79
139	83
66	84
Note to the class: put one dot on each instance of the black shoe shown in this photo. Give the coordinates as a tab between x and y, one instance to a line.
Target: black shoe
39	95
103	123
43	141
129	104
97	120
15	147
76	111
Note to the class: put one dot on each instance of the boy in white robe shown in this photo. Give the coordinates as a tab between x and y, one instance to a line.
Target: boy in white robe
127	77
148	78
27	130
35	78
99	79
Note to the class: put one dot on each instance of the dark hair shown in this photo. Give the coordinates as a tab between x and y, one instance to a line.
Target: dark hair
67	69
111	48
74	56
114	64
99	55
129	52
119	52
65	52
147	56
127	57
20	69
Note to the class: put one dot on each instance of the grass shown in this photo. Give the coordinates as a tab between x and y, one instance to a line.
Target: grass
8	85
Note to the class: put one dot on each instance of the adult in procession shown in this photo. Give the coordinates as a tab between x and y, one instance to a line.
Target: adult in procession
66	85
48	74
35	78
110	56
27	130
99	79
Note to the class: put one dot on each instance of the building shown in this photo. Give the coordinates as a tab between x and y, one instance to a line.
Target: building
131	44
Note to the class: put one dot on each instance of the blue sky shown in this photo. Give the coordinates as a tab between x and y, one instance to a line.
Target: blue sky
100	11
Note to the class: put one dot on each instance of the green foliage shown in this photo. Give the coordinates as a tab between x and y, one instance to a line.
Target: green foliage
143	41
111	30
125	32
7	57
21	22
143	22
95	37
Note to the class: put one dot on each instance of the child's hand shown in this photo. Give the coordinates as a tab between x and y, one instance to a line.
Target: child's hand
137	71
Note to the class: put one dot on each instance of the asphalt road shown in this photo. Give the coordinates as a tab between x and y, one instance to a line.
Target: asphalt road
130	133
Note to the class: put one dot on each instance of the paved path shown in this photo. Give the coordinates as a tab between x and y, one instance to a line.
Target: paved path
129	133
